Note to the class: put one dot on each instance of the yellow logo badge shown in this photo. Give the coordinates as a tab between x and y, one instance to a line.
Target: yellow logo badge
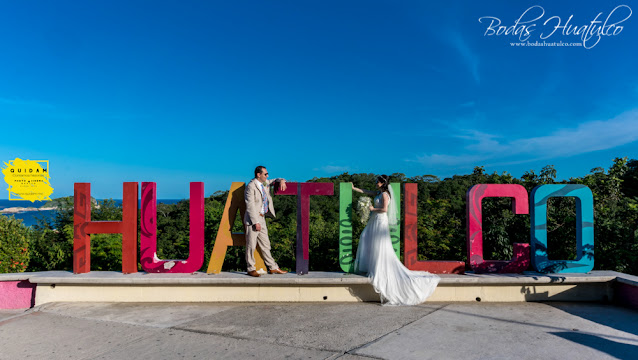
28	179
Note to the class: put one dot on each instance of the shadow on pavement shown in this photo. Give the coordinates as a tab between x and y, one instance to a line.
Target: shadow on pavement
619	318
616	349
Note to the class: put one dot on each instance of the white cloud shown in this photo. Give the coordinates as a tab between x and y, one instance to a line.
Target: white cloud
587	137
449	160
485	143
469	57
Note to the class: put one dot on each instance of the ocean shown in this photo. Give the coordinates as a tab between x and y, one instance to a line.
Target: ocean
30	218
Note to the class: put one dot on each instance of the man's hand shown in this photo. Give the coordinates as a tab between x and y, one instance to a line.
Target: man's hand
257	227
282	185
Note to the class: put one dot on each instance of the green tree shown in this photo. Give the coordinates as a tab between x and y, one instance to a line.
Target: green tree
14	245
52	247
616	218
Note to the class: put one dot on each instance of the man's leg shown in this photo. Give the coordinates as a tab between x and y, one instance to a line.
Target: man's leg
264	244
251	244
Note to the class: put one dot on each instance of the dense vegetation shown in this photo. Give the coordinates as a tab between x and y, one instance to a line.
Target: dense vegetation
441	224
14	245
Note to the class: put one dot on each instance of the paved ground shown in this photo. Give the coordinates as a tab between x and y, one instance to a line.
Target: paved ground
320	331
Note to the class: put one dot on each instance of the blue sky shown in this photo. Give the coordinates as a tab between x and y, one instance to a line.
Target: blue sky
180	91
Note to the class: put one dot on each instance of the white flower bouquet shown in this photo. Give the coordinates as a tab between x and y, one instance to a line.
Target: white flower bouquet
363	208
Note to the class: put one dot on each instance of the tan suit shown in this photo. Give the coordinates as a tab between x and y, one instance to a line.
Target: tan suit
254	206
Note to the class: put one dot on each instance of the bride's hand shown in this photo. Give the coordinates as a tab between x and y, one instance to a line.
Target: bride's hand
371	208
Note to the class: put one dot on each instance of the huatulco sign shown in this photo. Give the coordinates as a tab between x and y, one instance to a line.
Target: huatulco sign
534	253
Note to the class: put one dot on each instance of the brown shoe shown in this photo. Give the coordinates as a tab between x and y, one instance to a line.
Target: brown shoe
277	271
253	273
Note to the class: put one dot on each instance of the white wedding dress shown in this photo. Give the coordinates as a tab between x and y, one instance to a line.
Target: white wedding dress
375	256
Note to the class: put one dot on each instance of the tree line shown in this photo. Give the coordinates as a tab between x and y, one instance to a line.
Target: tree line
441	224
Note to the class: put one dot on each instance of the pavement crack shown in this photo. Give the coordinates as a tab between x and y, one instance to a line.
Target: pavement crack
353	350
266	341
363	356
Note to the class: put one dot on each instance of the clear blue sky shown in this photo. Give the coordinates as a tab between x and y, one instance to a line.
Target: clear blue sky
180	91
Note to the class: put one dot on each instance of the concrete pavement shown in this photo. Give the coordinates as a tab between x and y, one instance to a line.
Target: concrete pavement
346	331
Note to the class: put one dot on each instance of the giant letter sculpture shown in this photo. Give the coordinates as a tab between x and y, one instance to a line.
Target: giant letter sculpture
83	226
225	238
395	230
410	247
584	228
148	239
303	192
346	258
521	259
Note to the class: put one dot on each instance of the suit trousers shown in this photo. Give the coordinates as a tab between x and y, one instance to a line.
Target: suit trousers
254	238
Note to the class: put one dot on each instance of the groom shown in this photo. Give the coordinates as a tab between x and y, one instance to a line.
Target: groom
258	206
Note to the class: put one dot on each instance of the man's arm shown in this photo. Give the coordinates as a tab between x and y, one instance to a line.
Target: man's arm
282	183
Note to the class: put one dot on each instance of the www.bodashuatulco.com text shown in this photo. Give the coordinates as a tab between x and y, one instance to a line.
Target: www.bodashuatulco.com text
545	44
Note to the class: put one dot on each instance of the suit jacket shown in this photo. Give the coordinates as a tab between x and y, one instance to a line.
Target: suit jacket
254	201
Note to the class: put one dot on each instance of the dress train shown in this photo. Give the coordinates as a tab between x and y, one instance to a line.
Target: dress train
396	284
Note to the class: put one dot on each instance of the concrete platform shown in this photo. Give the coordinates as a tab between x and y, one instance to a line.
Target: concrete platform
62	286
345	331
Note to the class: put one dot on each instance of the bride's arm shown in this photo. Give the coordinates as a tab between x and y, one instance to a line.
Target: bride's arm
368	192
384	206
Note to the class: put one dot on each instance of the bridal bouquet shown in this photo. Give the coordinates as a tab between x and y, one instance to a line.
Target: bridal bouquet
363	208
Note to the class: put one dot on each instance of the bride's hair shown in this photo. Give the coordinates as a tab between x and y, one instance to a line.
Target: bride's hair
385	181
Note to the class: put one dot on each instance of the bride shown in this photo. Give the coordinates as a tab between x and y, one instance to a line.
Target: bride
375	256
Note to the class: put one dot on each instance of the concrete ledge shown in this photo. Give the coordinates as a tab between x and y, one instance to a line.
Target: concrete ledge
312	293
64	286
57	286
18	276
197	278
626	290
198	293
625	278
313	278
